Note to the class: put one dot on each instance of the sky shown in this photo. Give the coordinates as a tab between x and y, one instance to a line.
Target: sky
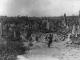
39	7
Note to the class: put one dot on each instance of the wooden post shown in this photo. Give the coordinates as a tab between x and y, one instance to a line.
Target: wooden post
79	13
73	29
47	26
1	29
65	20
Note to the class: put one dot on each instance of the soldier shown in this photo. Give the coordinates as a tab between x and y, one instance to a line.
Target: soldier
50	40
37	38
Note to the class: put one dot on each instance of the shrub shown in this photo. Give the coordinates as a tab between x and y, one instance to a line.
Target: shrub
11	49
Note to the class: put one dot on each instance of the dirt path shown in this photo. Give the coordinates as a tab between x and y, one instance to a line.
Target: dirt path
59	51
45	52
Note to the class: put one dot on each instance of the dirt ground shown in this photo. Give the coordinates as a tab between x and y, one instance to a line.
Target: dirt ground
58	51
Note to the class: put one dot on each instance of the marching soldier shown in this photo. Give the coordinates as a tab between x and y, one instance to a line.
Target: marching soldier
50	40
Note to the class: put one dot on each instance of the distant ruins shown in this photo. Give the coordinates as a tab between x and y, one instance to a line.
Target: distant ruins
40	24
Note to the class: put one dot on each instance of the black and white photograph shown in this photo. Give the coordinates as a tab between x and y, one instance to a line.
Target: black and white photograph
39	29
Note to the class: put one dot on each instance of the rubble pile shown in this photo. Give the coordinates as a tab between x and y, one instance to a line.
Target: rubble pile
70	53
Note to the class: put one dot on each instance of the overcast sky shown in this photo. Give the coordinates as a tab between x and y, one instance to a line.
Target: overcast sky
39	7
